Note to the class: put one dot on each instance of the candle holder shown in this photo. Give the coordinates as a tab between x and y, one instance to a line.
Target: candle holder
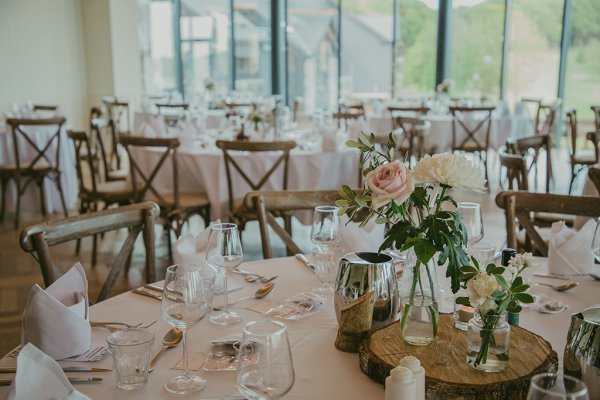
462	314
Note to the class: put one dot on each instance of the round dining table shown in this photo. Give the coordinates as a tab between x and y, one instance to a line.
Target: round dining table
321	371
30	201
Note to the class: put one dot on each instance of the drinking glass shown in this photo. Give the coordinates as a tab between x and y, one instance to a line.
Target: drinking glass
224	252
473	221
325	230
550	386
265	369
596	242
483	252
131	350
187	298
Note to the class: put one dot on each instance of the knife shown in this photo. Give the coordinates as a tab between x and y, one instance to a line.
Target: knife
146	292
9	370
305	261
72	379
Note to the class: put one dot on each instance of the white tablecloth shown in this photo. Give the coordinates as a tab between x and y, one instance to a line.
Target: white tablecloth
213	119
204	172
322	372
440	134
31	199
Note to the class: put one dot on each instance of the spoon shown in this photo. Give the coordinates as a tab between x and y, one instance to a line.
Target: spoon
560	288
259	294
171	339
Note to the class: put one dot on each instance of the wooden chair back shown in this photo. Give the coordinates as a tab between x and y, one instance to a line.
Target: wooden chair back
594	175
521	206
419	110
343	118
546	119
572	130
142	179
270	203
533	110
254	147
594	137
84	159
516	170
44	107
101	134
596	111
137	218
118	120
414	129
173	107
534	144
479	135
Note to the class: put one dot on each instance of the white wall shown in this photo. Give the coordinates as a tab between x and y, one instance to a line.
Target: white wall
41	56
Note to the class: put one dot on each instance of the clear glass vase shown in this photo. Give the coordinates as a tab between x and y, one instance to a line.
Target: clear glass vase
488	341
419	297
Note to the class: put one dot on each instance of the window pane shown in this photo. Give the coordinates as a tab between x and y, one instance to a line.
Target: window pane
476	49
252	19
534	49
414	73
367	29
312	53
205	33
156	41
582	87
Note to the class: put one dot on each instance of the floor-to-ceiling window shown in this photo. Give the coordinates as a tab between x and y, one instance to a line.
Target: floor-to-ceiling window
534	49
366	48
312	51
582	83
476	47
415	48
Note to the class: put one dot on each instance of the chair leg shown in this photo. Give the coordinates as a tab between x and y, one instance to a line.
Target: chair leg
3	182
169	243
18	206
62	196
573	175
94	250
287	222
40	185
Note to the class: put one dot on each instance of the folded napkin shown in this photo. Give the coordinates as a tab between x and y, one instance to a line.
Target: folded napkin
569	251
356	239
56	319
40	377
330	139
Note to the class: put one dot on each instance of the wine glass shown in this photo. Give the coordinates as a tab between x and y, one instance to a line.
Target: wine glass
596	242
549	386
265	369
473	221
187	298
224	252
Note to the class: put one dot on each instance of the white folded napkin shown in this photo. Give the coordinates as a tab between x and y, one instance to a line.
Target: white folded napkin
569	251
330	140
40	377
367	238
56	319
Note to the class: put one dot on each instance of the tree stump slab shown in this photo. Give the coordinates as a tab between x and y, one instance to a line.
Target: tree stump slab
445	361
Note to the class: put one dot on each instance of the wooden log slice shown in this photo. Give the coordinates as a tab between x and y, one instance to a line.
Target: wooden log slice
445	361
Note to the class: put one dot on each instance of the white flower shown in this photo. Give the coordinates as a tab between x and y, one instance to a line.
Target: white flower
452	170
521	260
480	289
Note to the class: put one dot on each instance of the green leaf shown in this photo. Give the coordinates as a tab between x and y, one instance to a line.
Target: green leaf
516	283
347	192
352	144
514	308
498	294
464	301
424	250
519	289
524	298
502	282
493	269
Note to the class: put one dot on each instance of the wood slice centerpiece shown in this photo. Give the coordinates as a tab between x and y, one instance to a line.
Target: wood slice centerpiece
445	361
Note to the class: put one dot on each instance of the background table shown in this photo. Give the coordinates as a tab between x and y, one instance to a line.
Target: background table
31	199
321	370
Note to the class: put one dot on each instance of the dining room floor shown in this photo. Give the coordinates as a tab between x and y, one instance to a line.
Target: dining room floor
19	271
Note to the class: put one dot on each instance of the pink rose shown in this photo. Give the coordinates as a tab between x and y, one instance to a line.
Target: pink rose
388	182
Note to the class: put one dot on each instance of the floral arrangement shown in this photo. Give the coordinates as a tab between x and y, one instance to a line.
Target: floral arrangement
209	85
491	294
444	87
258	116
415	206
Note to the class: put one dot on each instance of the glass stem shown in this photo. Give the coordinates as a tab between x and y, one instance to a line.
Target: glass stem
186	371
226	308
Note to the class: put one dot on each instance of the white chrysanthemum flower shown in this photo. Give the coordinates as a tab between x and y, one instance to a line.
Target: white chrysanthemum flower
452	170
520	260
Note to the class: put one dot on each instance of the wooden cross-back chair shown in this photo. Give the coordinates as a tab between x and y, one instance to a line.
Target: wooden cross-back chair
175	207
533	110
414	131
238	213
37	239
546	119
594	175
267	205
118	121
343	118
44	107
45	162
532	146
580	159
476	130
520	206
516	170
175	116
352	108
596	111
100	136
418	110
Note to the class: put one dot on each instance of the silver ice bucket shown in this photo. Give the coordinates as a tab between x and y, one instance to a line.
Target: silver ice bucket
582	353
361	273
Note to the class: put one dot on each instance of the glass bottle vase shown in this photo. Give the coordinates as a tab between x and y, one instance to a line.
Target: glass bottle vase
419	297
488	341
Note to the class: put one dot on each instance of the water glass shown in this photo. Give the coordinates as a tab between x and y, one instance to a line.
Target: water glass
483	253
325	230
326	260
550	386
473	221
187	298
131	350
265	361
